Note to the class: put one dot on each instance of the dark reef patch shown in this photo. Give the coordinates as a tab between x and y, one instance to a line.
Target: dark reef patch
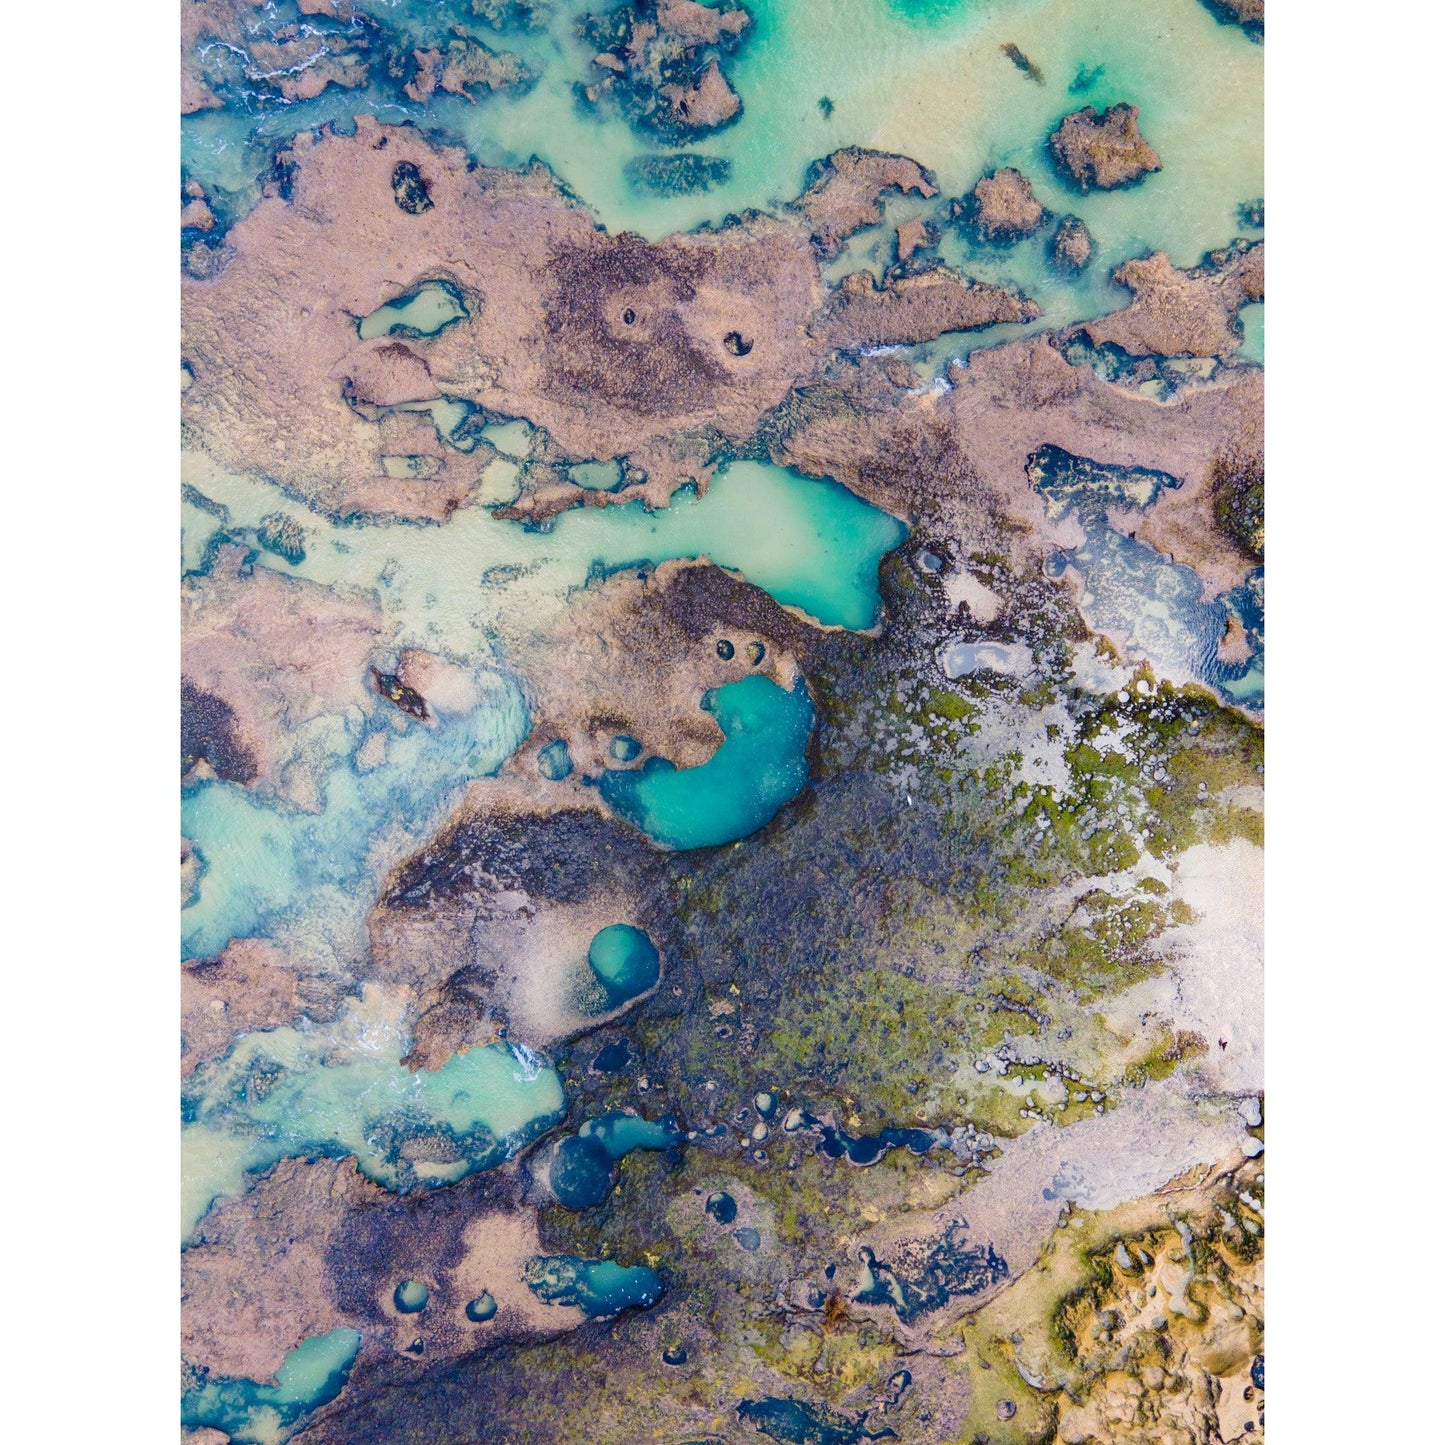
683	174
208	732
410	190
796	1422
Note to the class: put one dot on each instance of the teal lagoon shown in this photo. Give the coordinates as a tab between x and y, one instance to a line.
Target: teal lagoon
761	766
808	541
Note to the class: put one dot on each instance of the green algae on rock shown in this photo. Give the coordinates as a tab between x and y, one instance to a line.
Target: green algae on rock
549	368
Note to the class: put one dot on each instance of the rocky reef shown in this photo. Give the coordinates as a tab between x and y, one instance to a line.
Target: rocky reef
1097	151
1001	208
722	764
1191	312
661	62
635	359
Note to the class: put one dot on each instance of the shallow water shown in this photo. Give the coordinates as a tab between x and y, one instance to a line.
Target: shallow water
760	766
1156	608
254	1413
808	541
429	309
266	860
314	1093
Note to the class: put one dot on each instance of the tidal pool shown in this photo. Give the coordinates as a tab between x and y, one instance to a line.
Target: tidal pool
1156	608
597	1287
252	1413
582	1172
808	541
625	961
761	765
290	1093
428	310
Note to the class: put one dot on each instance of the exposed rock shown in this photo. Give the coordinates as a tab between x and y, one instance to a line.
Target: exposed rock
707	104
265	655
248	986
291	61
1001	208
1247	14
965	449
661	63
916	308
1236	484
197	215
614	346
1071	247
913	235
843	190
1102	152
313	1247
1234	646
490	923
1183	313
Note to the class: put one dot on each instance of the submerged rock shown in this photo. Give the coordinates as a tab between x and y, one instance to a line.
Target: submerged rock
1071	247
1102	152
681	174
463	66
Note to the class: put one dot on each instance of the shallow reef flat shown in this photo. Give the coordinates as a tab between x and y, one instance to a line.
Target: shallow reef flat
722	595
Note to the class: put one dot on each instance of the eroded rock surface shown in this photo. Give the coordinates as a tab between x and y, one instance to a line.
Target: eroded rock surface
613	345
1101	152
1190	312
1001	208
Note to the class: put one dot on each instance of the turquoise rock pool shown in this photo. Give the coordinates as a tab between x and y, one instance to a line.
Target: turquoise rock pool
598	1287
625	961
761	766
254	1413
